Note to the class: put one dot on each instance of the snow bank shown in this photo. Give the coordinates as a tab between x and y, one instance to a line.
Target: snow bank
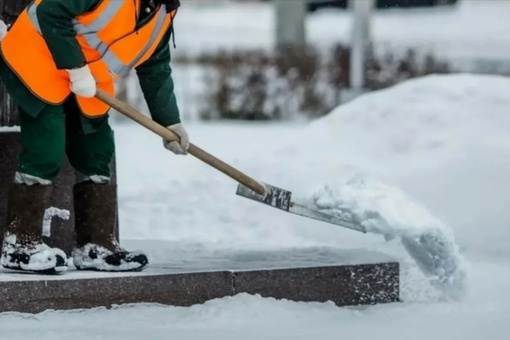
441	139
443	142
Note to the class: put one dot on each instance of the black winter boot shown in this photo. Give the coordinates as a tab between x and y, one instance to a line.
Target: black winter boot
23	248
95	208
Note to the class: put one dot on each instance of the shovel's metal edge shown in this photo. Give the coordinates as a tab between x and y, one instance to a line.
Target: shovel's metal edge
318	215
281	199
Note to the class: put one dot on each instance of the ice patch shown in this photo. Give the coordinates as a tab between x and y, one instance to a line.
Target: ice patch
387	211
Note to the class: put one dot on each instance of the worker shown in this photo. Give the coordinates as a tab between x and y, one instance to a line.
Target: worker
54	58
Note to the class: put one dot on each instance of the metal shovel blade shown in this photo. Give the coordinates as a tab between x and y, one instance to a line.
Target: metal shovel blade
282	199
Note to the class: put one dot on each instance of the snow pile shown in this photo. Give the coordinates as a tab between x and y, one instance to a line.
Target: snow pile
442	140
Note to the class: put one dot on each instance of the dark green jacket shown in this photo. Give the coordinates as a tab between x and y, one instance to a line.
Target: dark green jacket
55	19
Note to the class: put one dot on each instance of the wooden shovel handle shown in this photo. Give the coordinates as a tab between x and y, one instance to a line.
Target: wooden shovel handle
167	134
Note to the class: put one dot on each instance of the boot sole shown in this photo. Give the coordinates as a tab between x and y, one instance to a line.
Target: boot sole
51	271
139	269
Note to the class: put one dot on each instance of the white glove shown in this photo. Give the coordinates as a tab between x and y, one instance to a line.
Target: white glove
3	30
82	82
181	147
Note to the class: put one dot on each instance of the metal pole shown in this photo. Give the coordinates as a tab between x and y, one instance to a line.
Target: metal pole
360	42
290	22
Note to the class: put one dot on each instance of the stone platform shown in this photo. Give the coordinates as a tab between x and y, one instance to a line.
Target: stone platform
347	278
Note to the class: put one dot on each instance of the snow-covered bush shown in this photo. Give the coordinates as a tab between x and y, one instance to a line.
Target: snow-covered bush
296	83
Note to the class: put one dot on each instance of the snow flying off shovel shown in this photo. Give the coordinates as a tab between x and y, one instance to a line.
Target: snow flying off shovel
248	187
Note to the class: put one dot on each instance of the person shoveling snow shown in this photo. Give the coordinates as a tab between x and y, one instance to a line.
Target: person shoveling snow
51	68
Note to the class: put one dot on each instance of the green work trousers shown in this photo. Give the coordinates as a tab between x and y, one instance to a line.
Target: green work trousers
56	132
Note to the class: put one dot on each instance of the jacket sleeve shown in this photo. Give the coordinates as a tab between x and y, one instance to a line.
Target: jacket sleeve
56	23
157	85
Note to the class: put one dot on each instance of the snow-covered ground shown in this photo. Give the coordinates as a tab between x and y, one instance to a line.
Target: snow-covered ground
427	157
426	161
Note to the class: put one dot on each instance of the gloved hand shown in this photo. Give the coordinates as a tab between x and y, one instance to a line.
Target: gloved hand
181	147
82	82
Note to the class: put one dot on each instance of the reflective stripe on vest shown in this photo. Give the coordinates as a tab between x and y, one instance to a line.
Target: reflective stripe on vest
89	32
109	12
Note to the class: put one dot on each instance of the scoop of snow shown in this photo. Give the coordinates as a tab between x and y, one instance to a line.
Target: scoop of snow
387	211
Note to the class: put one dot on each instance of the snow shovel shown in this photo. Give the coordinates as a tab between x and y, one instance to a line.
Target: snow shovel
248	187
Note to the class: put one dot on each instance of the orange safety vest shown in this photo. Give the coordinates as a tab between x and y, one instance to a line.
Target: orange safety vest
108	39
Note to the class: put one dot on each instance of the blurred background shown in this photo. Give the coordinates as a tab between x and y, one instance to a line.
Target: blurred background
295	60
